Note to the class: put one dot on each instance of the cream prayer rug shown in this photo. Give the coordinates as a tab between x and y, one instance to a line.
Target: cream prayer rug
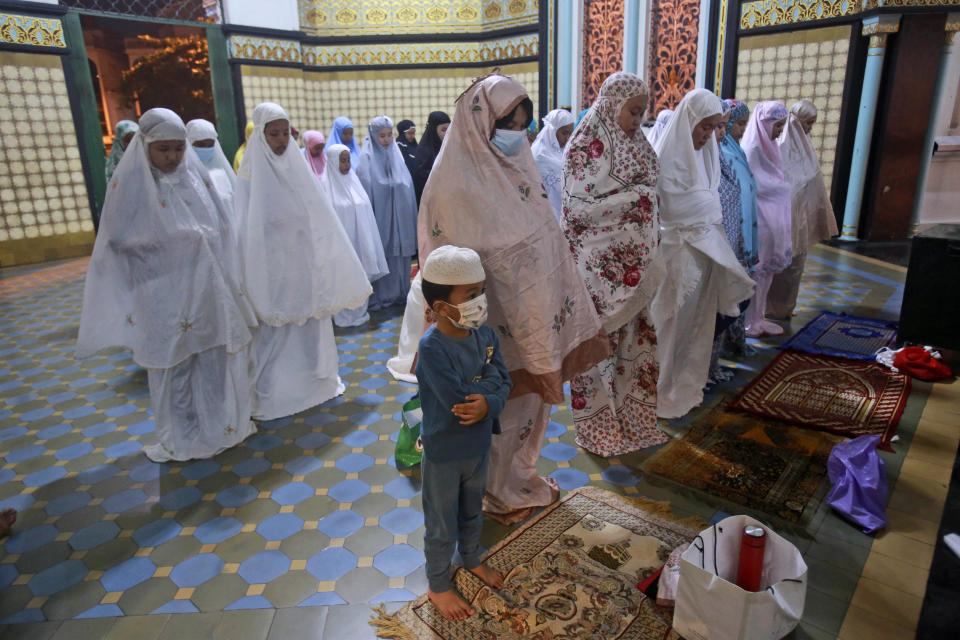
570	573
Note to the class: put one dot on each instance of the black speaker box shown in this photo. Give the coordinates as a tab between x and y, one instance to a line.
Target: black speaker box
930	314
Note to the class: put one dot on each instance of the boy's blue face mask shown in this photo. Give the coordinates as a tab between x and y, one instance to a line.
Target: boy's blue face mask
508	141
205	153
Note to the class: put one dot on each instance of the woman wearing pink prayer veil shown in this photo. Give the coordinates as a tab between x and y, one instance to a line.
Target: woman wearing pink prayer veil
775	237
485	193
811	211
313	143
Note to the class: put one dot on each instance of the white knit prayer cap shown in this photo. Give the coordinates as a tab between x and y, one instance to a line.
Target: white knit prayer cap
453	265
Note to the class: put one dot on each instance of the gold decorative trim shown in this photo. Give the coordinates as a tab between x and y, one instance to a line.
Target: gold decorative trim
421	53
265	49
881	27
878	41
30	30
721	40
393	17
757	14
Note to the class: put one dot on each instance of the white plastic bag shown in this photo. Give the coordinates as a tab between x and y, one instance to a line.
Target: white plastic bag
710	606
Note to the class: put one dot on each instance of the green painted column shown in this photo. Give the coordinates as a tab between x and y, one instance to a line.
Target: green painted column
222	85
89	131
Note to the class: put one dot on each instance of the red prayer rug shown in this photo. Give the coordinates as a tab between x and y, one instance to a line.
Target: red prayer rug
830	394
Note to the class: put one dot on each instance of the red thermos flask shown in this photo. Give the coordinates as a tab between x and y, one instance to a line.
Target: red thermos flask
750	567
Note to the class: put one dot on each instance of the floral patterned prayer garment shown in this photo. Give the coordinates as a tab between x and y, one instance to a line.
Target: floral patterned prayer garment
611	220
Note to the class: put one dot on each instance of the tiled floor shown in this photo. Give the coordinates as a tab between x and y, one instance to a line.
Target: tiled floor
308	522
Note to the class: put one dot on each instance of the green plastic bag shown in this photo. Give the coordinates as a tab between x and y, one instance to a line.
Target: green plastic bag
409	443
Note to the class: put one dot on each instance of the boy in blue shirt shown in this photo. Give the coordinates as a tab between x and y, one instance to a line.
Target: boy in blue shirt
463	388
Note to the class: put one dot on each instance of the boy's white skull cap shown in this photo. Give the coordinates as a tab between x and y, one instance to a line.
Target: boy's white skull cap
453	265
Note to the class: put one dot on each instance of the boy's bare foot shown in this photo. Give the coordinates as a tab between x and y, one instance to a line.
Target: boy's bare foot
7	518
490	577
450	604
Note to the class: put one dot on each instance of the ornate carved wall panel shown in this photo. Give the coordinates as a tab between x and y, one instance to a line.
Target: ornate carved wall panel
602	44
674	26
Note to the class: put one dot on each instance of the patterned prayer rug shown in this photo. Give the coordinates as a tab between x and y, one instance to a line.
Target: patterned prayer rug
836	395
747	463
571	572
837	334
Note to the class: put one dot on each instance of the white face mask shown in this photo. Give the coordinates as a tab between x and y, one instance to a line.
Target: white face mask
473	313
508	141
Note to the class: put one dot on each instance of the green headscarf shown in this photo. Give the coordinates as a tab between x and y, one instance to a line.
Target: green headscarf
123	128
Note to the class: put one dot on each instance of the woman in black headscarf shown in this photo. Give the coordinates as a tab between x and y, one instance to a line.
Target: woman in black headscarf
407	141
427	150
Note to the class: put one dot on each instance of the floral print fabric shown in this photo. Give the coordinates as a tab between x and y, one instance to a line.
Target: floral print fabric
610	212
611	220
615	403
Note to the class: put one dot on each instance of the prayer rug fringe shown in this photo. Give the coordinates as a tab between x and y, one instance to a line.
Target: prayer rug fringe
388	625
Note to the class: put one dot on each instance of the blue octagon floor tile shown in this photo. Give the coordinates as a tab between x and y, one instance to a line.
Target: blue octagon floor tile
26	453
394	595
101	611
570	479
217	530
249	602
280	526
200	469
264	567
360	438
315	440
264	442
122	449
341	524
25	616
68	503
94	535
355	462
37	414
74	451
292	493
251	467
14	432
124	500
555	429
323	599
55	431
332	563
44	476
79	412
96	474
349	490
177	606
31	539
148	472
196	570
303	465
372	384
141	428
58	577
398	560
100	429
375	370
402	488
365	418
402	520
237	495
619	475
128	574
180	498
558	452
369	399
8	573
157	532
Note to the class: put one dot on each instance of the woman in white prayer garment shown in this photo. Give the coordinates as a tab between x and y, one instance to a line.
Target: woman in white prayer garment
342	186
548	154
299	268
202	135
704	277
162	282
